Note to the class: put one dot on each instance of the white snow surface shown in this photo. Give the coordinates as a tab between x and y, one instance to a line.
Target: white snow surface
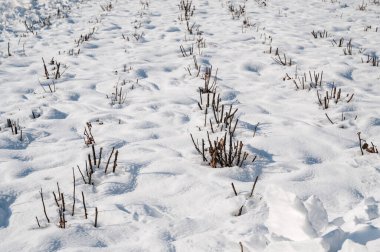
315	192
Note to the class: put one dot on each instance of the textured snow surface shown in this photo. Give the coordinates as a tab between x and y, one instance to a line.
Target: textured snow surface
315	192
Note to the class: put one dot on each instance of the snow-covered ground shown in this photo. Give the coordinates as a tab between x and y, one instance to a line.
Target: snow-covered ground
315	190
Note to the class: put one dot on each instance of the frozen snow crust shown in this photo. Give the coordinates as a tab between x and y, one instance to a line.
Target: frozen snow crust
127	79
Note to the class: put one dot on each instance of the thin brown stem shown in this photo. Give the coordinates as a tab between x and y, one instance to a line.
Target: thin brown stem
43	204
84	206
253	187
233	188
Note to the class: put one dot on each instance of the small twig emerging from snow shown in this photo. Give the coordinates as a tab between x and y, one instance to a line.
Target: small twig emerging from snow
360	143
253	187
329	118
73	192
109	159
43	204
233	188
84	206
96	217
38	222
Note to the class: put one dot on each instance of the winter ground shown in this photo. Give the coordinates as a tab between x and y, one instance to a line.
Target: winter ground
315	192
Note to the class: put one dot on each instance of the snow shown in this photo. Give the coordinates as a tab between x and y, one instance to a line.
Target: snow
315	192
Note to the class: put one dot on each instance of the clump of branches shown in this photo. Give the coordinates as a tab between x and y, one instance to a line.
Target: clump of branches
187	52
319	34
282	60
119	96
200	43
223	118
187	9
334	95
88	137
190	27
369	27
271	50
71	52
209	87
30	28
236	11
362	6
138	35
365	146
32	25
197	67
45	21
372	60
54	69
59	199
339	43
223	152
348	49
343	117
107	7
94	163
315	80
144	4
15	128
246	24
84	38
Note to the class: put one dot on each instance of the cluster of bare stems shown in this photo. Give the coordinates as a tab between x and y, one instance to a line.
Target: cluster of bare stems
347	50
333	95
137	34
236	11
88	137
302	81
283	60
223	152
319	34
226	151
144	4
187	10
107	7
369	27
62	211
32	25
246	24
338	43
15	128
239	213
94	163
261	3
365	146
372	60
119	96
314	81
187	52
362	6
200	43
54	71
84	38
